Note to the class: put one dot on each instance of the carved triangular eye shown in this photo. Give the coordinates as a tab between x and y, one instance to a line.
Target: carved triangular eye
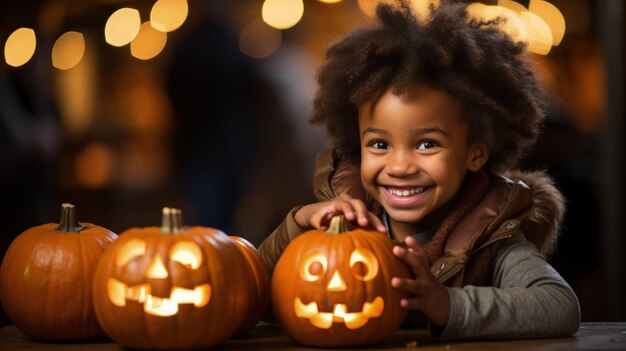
313	266
186	253
363	264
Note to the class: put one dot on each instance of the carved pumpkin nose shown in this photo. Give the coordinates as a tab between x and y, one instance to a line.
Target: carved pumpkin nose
336	282
156	269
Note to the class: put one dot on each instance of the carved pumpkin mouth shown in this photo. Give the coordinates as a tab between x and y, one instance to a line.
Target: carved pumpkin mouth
119	293
352	320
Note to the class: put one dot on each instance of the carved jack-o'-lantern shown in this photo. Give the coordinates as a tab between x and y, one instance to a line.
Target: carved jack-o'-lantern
171	287
334	288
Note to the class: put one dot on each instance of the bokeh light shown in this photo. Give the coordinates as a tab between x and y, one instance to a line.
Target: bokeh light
420	7
539	34
20	47
148	43
282	14
513	25
330	1
68	50
552	16
513	6
122	26
168	15
94	165
258	40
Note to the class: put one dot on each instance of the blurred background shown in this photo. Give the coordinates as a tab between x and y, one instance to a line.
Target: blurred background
122	107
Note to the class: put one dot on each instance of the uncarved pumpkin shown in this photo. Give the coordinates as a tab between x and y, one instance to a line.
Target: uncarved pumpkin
334	288
171	287
259	274
46	278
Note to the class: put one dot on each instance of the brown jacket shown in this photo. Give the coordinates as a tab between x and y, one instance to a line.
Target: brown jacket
517	201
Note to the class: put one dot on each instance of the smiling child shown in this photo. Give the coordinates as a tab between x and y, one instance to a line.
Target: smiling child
429	119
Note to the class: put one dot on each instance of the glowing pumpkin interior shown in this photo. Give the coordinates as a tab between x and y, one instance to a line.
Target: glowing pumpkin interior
186	253
363	266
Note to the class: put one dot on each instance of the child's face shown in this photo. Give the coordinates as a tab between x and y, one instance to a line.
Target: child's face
415	152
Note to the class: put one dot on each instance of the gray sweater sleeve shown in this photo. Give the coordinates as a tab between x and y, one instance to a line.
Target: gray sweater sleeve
528	299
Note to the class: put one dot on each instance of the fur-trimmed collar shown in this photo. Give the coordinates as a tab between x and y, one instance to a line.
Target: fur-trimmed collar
546	212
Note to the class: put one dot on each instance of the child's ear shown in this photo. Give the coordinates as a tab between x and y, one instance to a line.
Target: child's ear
478	156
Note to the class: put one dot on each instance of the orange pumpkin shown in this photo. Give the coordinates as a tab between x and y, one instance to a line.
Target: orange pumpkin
46	278
171	287
259	274
334	288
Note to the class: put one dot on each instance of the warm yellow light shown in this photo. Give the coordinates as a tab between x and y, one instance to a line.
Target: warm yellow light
552	16
307	261
539	34
475	9
282	14
119	293
168	15
513	25
160	307
76	94
116	290
20	47
156	269
68	50
131	249
186	253
199	296
330	1
367	258
420	7
122	26
368	7
513	6
148	43
94	166
336	282
258	40
352	320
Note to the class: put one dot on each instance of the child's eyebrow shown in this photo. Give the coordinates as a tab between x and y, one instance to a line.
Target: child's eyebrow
434	130
374	131
420	131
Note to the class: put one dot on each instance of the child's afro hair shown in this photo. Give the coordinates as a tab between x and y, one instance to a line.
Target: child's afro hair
472	60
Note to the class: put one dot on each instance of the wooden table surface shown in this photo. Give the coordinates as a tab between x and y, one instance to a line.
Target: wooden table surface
591	336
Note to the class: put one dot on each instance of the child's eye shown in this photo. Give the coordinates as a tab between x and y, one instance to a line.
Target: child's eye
378	144
427	144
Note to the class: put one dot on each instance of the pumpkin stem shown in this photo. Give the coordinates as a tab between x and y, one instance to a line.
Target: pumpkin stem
171	221
338	225
68	222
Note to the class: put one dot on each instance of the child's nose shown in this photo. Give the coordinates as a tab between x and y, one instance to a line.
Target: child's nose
401	164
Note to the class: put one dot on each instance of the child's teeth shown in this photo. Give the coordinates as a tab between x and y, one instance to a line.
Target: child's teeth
406	192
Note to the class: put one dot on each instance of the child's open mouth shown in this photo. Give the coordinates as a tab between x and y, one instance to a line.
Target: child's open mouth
406	196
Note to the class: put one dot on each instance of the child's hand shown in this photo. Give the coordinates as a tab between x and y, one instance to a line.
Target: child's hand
427	293
318	215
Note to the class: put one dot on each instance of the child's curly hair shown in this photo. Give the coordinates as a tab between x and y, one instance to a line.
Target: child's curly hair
472	60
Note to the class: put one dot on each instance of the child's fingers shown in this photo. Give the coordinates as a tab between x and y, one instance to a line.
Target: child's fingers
408	285
359	209
415	258
347	209
354	210
376	222
412	303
